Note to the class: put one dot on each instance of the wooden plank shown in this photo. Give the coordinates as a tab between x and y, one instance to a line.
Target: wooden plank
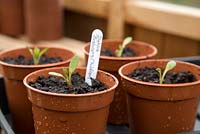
98	8
165	17
152	37
115	28
169	18
175	46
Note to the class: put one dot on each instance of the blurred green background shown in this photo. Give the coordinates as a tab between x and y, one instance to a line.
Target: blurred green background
193	3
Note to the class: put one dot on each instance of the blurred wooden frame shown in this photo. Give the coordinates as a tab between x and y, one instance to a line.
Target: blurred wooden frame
116	22
164	17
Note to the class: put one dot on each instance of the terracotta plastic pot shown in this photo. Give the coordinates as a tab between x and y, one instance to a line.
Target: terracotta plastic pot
70	113
19	105
118	111
161	108
12	18
43	19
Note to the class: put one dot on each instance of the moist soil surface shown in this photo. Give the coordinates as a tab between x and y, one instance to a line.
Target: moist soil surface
58	85
21	60
147	74
127	52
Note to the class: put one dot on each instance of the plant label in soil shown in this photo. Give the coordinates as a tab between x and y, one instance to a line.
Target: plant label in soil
94	53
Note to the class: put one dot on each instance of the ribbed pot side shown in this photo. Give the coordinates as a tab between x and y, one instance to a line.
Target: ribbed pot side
19	105
118	110
71	113
161	109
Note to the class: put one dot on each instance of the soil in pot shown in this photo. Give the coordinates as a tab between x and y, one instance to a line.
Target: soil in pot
127	52
58	85
148	74
21	60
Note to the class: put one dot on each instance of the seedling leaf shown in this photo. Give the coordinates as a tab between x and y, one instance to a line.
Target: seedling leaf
36	54
73	64
56	74
126	41
43	51
121	47
170	65
36	51
30	50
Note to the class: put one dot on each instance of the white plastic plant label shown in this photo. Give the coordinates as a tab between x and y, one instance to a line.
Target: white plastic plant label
94	53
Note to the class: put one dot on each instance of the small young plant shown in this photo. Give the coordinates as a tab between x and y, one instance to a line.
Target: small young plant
125	42
37	54
67	73
170	65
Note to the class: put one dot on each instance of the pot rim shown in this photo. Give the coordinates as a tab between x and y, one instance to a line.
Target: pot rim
70	95
156	84
35	66
124	58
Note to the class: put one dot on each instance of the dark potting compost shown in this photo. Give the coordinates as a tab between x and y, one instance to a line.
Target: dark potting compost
58	85
21	60
148	74
127	52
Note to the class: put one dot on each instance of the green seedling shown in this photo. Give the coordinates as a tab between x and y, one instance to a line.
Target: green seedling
37	54
67	73
125	42
170	65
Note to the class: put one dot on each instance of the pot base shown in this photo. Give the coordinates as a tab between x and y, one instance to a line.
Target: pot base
20	107
163	117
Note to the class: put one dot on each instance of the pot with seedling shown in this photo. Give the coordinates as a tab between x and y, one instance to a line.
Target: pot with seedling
114	54
161	102
15	65
63	102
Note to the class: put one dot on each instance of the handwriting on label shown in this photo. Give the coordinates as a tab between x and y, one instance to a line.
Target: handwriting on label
94	54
